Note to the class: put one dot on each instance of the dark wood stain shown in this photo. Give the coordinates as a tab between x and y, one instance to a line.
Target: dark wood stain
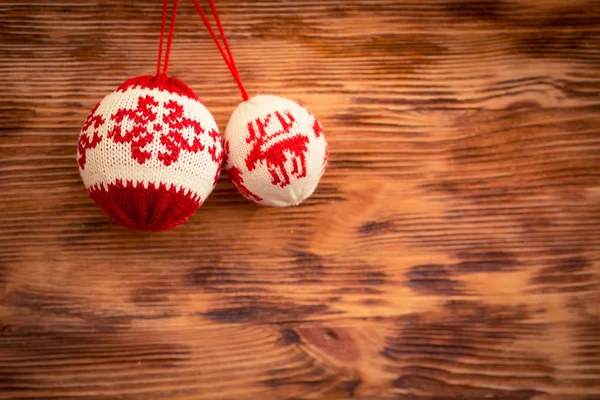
372	281
437	389
432	353
208	275
337	343
445	279
374	302
470	311
566	275
451	250
5	267
351	386
258	309
486	266
477	11
289	336
523	104
357	290
309	268
374	227
143	296
434	279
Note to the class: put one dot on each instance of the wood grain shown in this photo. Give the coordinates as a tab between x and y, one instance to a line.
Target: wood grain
452	250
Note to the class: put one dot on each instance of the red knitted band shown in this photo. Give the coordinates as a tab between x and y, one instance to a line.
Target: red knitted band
145	208
161	82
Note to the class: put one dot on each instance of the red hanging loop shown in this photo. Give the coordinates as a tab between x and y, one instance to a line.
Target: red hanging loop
213	7
169	39
162	34
228	58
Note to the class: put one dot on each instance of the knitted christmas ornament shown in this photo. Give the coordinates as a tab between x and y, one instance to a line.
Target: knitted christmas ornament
150	153
275	149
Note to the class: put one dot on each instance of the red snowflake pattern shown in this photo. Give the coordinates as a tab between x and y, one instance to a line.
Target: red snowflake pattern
139	126
274	154
173	140
85	142
139	136
213	149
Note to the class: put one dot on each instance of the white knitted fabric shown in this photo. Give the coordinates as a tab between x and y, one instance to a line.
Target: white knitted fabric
155	162
275	151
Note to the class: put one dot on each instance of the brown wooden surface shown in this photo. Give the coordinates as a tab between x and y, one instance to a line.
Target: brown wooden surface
452	250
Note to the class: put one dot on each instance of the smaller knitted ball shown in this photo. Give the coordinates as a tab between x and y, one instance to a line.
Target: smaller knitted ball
150	153
275	151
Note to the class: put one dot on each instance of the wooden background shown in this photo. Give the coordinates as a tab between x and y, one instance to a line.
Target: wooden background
452	250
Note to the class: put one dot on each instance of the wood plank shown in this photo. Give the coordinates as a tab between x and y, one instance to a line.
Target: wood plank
452	249
462	348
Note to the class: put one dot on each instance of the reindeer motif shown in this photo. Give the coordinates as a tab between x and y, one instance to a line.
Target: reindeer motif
236	176
271	148
317	129
139	136
85	142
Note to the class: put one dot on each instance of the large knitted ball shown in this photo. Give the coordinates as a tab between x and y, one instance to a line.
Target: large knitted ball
275	151
150	153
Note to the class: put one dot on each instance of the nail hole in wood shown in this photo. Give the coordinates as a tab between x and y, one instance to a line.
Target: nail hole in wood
330	334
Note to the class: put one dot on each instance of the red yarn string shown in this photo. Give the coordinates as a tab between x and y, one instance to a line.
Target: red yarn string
169	39
228	58
213	8
212	32
162	34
